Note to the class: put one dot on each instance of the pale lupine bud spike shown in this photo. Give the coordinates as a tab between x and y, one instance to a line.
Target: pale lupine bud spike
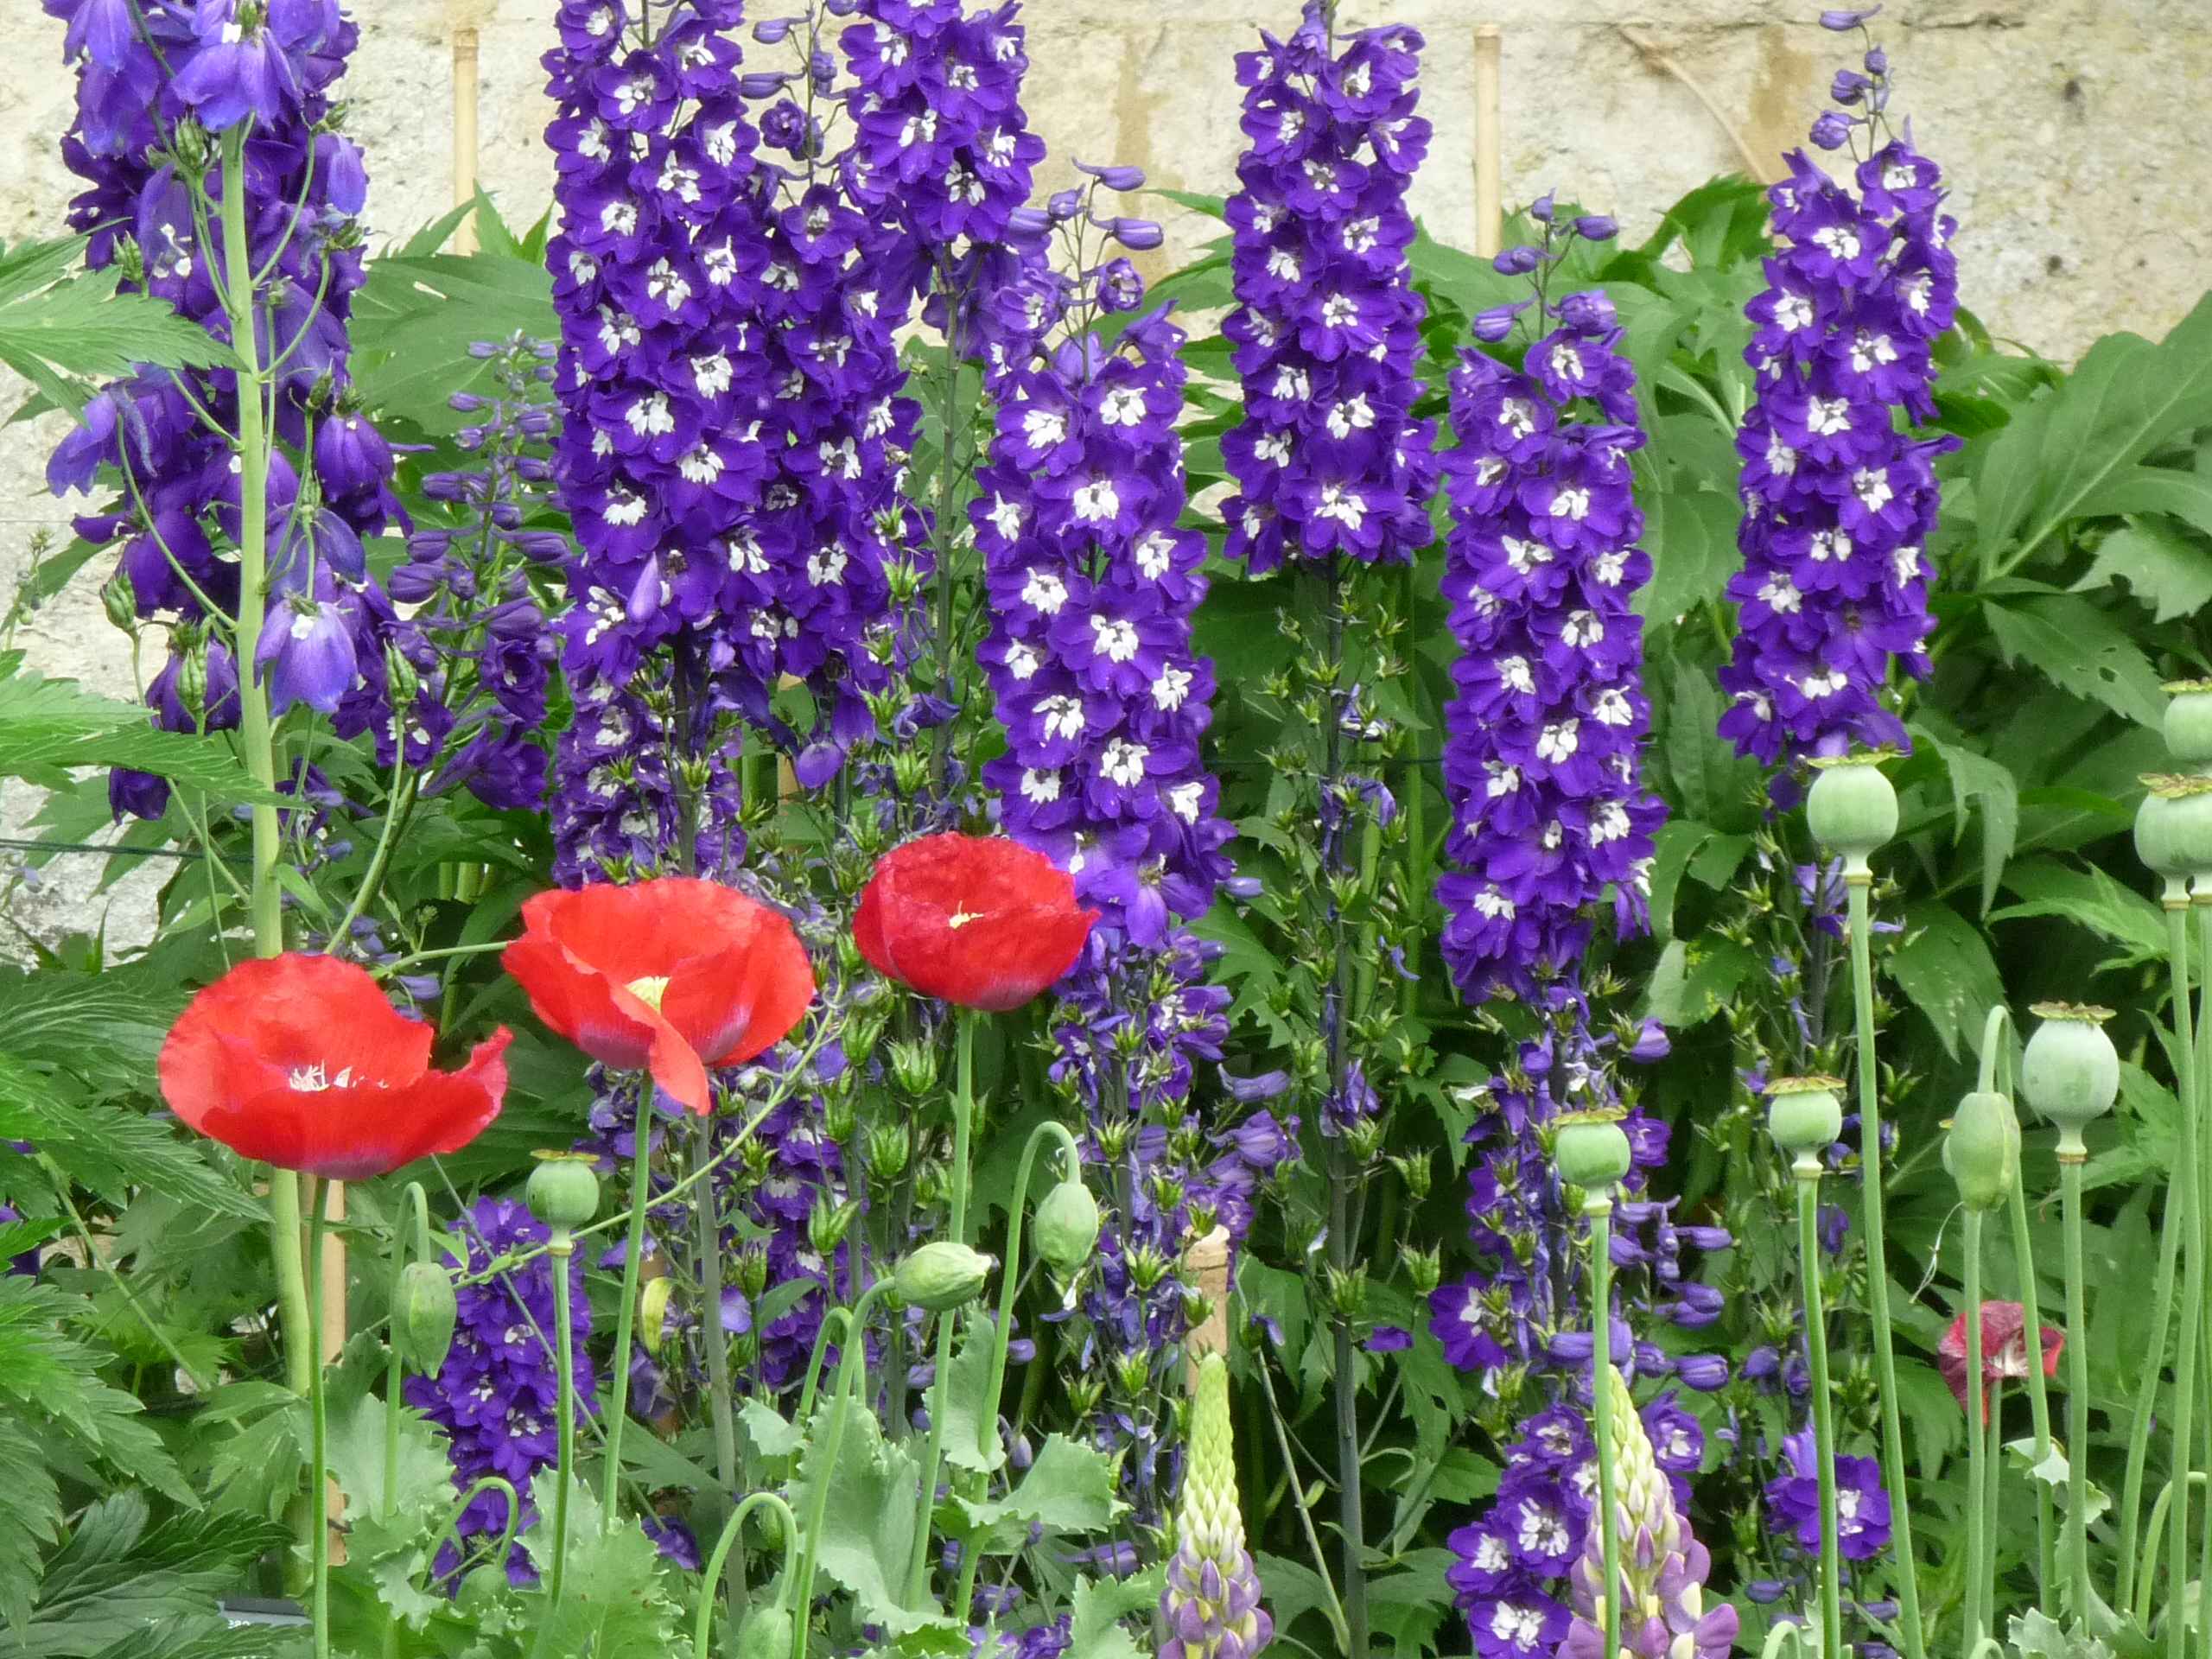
1210	1608
1663	1567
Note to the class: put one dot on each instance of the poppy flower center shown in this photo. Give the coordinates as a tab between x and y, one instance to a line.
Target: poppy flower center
314	1079
962	917
649	990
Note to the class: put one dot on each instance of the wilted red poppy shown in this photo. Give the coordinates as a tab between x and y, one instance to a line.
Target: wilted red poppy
669	977
301	1062
2003	1350
981	921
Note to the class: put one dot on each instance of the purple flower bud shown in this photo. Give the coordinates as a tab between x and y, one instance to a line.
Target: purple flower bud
1842	21
772	31
1877	62
1517	260
1496	323
1114	177
1848	87
1139	235
1704	1372
1832	131
759	86
1540	209
1027	222
1596	227
1065	206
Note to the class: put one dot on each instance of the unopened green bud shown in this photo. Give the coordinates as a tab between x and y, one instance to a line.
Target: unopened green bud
652	1314
1346	1291
192	680
940	1275
910	770
1363	1138
1852	809
562	1192
1067	1228
889	1146
1146	1268
827	1223
752	1272
1133	1375
1982	1151
405	683
1413	1169
423	1312
914	1066
120	600
1425	1269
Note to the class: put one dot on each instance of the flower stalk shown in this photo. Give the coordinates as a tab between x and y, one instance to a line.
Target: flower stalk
617	1380
963	1116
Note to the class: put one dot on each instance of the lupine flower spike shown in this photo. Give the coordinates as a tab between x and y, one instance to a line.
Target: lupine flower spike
1211	1605
1663	1567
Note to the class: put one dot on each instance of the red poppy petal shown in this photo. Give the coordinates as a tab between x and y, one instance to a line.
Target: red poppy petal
867	927
582	1005
677	1067
741	1002
644	930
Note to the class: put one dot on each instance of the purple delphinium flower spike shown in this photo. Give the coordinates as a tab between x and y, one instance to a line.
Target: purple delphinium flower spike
140	71
1839	504
1793	1500
498	1394
1329	459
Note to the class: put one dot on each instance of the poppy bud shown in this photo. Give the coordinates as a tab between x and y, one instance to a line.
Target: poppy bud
562	1192
2188	722
652	1314
2070	1072
1851	809
1982	1151
1803	1115
424	1313
940	1275
1591	1149
1067	1227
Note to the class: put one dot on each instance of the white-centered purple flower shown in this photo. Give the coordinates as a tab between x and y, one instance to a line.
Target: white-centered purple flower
1328	459
1839	502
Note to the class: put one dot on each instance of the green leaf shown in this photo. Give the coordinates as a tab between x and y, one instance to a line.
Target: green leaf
868	1522
773	1434
47	726
2092	898
2167	570
109	1148
2151	489
29	1521
618	1600
1945	969
970	1443
1069	1489
1694	979
2126	397
2080	648
1097	1608
357	1462
1690	533
1977	778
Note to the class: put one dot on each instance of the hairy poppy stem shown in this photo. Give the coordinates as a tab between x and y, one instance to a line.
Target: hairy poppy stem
2077	1390
1806	1170
626	1316
1980	1476
963	1114
710	1586
851	1363
2038	1395
318	1436
1599	1207
563	1246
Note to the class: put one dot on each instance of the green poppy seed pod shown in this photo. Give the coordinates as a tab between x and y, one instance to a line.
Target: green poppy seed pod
564	1193
1851	809
1067	1228
1804	1115
914	1066
2158	836
2184	824
765	1634
2070	1072
940	1275
1591	1149
2188	722
1982	1151
423	1312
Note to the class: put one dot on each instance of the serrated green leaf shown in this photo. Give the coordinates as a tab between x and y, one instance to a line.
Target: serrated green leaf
618	1599
1976	778
1944	968
1069	1489
970	1443
356	1444
1098	1607
108	1148
2167	570
869	1521
2090	898
773	1434
29	1521
52	1375
47	726
2080	648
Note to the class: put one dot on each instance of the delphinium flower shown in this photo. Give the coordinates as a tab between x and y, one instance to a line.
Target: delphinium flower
1662	1566
1210	1608
1862	1506
1544	732
657	267
476	637
1329	460
496	1396
1839	502
161	89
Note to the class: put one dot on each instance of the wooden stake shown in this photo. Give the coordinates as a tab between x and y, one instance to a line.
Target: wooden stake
1490	128
1207	1261
334	1278
465	56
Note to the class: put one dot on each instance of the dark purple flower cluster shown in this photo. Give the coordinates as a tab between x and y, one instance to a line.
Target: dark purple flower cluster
1329	459
477	638
498	1395
163	86
1545	731
1839	503
625	794
940	141
1793	1500
1092	588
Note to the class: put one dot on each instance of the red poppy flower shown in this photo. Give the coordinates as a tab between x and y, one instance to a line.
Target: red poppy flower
981	921
670	976
301	1062
2003	1350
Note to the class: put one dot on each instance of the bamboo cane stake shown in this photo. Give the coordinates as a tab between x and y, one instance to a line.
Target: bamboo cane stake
1207	1261
465	53
1490	189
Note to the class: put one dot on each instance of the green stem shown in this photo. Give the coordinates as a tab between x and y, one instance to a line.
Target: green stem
564	1245
318	1439
415	1197
709	1232
2146	1580
1991	1509
1977	1470
710	1586
2077	1388
963	1115
2038	1393
850	1363
1599	1207
254	730
1806	1169
625	1315
450	1533
1878	1270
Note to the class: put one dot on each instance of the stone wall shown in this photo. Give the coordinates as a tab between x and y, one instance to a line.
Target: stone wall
2066	129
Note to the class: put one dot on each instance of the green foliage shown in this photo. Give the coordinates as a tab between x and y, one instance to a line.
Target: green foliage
48	727
58	329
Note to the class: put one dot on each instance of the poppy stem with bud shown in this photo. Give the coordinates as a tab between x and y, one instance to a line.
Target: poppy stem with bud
851	1363
710	1586
1805	1117
1981	1477
963	1115
318	1435
618	1381
417	1202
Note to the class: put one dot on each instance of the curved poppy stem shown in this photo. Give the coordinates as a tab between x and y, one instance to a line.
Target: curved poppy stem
317	1437
711	1585
2147	1577
418	1201
564	1248
626	1316
852	1362
963	1116
450	1533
